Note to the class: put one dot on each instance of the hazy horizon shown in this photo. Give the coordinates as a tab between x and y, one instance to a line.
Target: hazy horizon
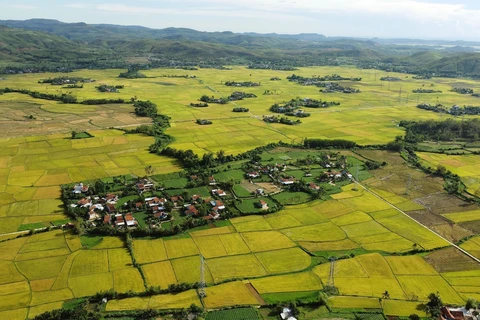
390	19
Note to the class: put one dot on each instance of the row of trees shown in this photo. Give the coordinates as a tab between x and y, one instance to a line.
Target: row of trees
446	130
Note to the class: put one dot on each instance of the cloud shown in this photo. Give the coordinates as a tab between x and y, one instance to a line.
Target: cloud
411	9
77	5
192	11
24	7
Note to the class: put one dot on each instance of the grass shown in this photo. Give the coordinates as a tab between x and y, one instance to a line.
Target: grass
354	302
89	242
291	198
251	205
233	314
279	297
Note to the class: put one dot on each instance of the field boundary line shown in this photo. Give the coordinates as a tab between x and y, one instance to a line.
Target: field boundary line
422	225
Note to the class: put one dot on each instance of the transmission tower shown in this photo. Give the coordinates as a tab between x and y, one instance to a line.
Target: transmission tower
202	285
331	276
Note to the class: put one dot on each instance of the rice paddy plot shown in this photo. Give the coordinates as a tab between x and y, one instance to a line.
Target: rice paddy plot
37	310
345	244
234	267
9	249
472	245
147	251
234	244
257	223
39	268
352	218
369	287
41	285
366	203
422	286
126	280
82	286
119	258
58	243
39	298
42	254
282	221
347	268
89	262
285	260
406	265
213	231
180	300
266	241
354	302
464	216
412	231
403	308
210	246
17	314
375	265
187	270
159	274
229	294
180	248
319	232
391	246
128	304
304	281
364	229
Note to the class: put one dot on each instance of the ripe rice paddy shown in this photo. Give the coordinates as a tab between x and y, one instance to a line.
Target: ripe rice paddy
43	270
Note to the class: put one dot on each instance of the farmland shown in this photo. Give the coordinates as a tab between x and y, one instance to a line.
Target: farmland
256	256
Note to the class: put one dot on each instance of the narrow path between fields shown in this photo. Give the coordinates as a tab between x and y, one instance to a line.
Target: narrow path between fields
399	210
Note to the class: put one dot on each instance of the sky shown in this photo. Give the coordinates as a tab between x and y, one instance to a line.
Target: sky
419	19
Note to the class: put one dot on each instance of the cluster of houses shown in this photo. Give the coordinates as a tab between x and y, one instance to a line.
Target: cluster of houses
102	208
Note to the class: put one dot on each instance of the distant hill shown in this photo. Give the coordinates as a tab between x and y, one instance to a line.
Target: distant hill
24	45
42	44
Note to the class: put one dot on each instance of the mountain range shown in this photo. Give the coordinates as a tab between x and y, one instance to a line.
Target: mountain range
42	44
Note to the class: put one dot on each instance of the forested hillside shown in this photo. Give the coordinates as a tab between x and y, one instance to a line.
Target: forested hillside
64	46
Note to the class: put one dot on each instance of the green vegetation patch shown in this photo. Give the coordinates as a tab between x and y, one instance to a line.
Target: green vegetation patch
234	314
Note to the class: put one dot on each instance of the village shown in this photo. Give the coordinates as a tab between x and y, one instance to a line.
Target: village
149	202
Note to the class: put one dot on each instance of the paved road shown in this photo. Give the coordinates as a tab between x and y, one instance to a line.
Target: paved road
399	210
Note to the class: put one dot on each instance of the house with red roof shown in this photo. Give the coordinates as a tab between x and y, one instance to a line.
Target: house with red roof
191	211
130	220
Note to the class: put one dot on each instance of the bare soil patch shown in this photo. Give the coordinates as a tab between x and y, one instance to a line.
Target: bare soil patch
450	259
255	294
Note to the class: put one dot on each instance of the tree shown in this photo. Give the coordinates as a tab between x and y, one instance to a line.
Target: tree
433	305
74	134
413	316
471	304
